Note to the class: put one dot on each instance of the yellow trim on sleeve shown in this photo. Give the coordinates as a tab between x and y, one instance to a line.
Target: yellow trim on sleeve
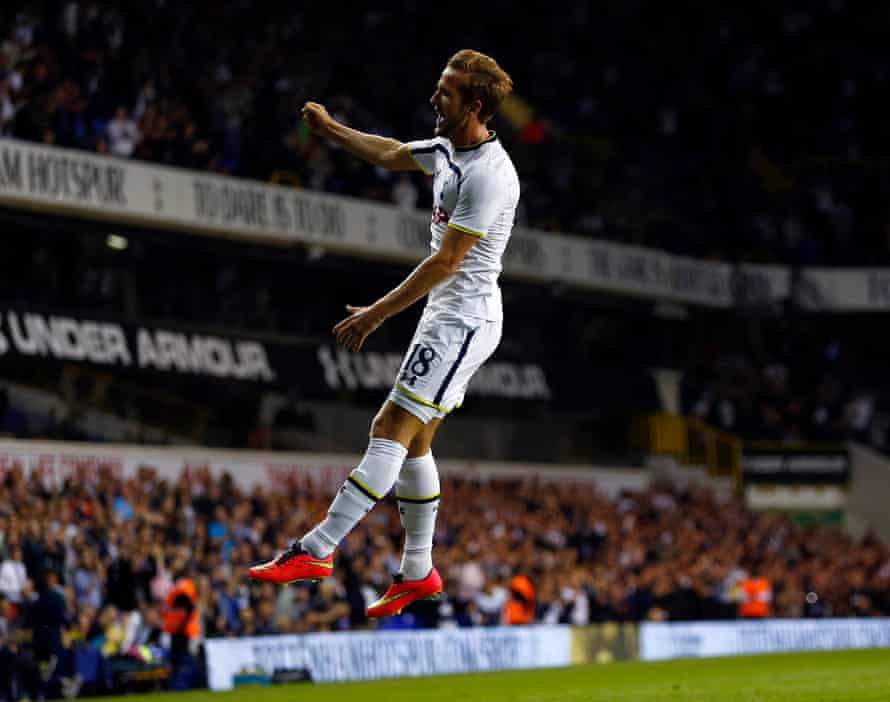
364	487
417	398
478	235
419	164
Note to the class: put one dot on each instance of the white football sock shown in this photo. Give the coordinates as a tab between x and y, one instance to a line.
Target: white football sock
369	482
417	491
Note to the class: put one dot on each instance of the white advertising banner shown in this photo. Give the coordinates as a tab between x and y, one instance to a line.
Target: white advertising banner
65	181
343	656
664	641
54	462
844	289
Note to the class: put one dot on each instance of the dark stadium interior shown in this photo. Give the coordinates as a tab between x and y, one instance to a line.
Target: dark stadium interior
730	132
767	377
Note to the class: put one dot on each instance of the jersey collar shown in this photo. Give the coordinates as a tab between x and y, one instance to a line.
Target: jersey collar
491	137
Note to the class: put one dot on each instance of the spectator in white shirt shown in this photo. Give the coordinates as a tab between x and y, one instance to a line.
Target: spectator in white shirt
13	576
123	134
7	106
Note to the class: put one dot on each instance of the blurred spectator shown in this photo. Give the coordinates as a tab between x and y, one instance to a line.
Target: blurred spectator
13	576
7	107
147	628
87	580
520	608
48	618
328	610
19	676
231	600
182	622
755	597
123	134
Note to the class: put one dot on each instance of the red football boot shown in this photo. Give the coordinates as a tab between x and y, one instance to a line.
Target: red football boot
403	592
293	565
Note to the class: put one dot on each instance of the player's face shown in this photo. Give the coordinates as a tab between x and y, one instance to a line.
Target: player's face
448	104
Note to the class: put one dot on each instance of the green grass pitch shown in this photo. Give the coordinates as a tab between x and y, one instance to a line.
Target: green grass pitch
839	676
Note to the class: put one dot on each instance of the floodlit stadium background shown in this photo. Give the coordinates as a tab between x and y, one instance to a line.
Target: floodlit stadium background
689	406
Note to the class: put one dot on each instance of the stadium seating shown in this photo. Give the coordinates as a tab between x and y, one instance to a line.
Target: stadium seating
734	152
663	554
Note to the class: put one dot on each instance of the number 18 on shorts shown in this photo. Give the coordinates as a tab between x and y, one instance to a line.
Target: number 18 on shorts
440	362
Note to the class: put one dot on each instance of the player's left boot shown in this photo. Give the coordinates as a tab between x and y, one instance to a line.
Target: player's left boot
403	592
293	565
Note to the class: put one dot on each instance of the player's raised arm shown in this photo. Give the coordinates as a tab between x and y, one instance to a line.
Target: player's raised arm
381	151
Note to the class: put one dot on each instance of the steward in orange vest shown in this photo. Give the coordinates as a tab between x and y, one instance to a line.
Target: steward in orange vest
520	608
756	596
180	615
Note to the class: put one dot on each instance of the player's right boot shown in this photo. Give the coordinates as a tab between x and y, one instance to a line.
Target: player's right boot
293	565
403	592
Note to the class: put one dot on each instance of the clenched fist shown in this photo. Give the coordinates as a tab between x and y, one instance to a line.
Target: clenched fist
317	118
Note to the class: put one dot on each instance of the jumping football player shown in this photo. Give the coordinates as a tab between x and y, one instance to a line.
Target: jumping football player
476	191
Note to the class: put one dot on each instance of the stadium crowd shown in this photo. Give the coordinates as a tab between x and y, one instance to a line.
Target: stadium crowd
638	122
90	566
808	391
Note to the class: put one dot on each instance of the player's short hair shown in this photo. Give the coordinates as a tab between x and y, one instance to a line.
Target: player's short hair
488	82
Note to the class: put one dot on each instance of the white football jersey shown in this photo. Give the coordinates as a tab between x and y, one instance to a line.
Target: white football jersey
475	191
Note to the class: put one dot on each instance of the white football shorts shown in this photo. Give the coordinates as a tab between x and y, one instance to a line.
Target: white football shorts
442	358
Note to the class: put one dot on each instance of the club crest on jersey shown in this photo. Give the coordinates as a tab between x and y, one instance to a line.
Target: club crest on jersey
440	215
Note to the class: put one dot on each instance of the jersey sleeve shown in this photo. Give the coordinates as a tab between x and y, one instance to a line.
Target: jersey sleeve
478	205
425	152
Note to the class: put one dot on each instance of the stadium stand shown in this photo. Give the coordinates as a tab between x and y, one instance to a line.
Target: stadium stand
122	546
730	136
